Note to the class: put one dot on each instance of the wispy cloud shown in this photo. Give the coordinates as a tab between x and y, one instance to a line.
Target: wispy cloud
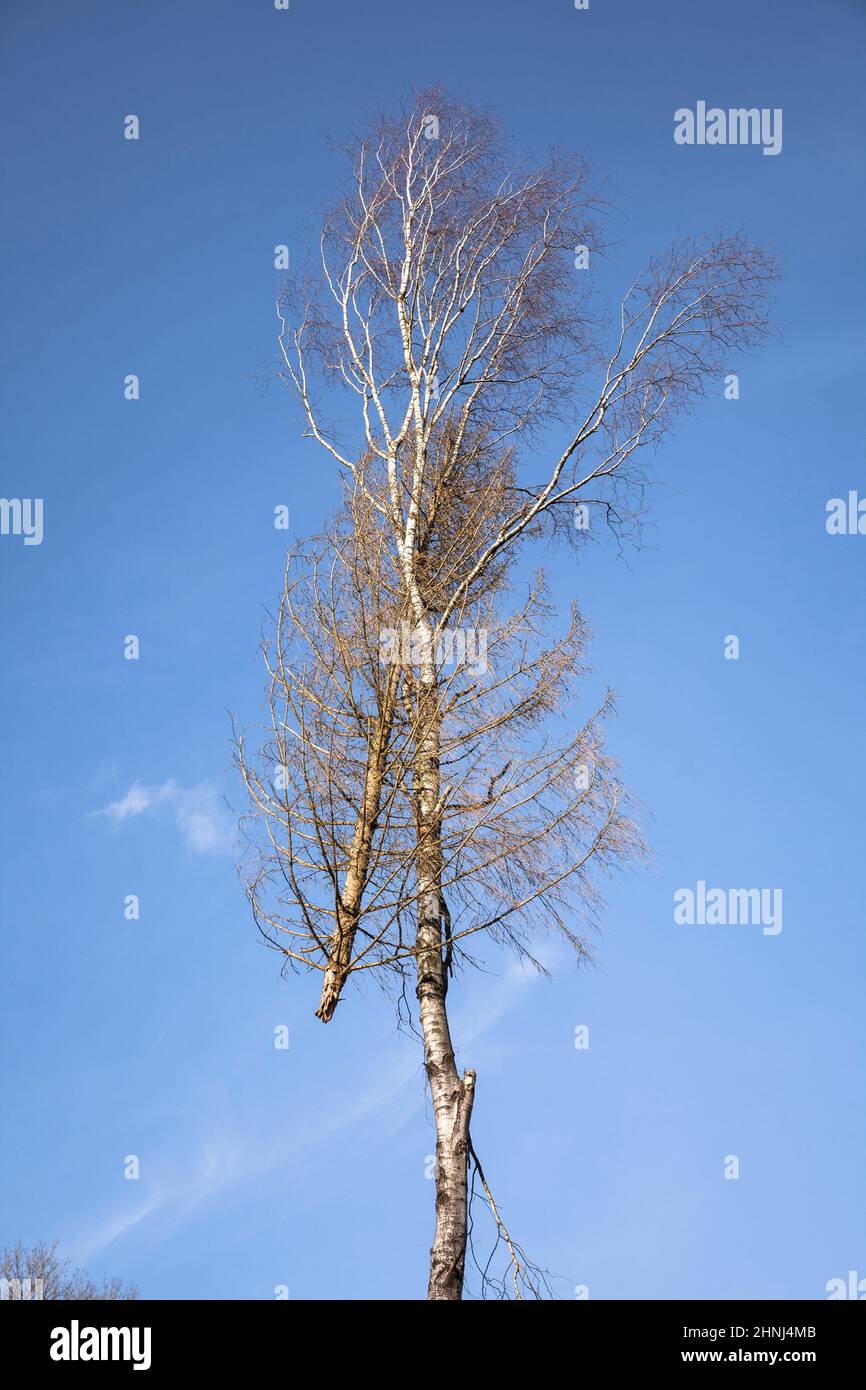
233	1155
236	1153
498	996
177	1186
198	811
110	1229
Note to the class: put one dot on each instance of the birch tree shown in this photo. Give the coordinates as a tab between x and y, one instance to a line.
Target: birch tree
429	804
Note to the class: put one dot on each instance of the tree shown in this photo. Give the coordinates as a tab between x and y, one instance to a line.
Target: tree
428	801
38	1272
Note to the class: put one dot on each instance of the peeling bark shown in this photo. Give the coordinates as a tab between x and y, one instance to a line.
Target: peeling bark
451	1094
452	1097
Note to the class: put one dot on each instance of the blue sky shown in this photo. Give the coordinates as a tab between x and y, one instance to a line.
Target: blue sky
306	1167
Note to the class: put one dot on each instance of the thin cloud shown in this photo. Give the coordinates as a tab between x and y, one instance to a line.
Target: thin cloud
236	1156
112	1228
198	812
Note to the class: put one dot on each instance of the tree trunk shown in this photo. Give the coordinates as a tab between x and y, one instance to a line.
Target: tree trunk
452	1107
452	1095
349	902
